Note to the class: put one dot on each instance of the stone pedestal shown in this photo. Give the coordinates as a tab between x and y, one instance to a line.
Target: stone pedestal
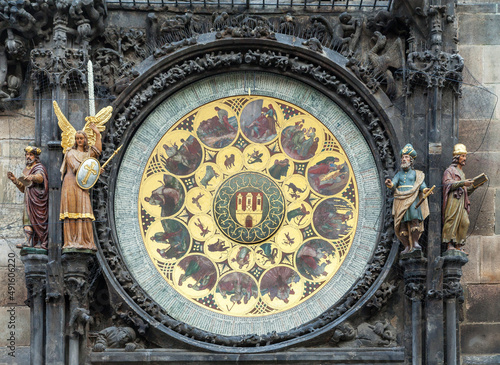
414	265
453	295
76	271
35	268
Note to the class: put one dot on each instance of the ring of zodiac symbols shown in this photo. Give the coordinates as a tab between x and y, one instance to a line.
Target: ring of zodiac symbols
248	206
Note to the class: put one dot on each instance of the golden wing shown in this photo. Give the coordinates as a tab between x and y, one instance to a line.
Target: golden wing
100	119
68	132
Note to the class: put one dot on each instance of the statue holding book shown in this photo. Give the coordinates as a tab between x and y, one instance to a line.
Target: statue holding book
35	186
456	204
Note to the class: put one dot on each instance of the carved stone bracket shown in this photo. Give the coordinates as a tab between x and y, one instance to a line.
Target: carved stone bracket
76	272
452	269
34	270
414	276
127	117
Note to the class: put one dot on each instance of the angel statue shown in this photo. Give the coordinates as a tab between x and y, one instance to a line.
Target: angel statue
76	209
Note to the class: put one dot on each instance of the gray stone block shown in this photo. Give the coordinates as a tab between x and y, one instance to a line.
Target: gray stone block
478	303
490	260
471	271
477	103
481	360
497	212
7	248
19	127
486	162
477	8
13	292
22	356
480	339
479	29
491	71
11	221
20	318
482	213
481	134
473	58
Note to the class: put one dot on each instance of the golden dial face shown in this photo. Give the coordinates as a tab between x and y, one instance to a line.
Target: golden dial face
248	206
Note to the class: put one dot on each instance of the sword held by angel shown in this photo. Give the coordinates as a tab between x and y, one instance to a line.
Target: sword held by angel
79	171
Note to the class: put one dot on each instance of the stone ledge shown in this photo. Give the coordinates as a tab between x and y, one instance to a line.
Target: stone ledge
22	356
302	356
477	8
481	360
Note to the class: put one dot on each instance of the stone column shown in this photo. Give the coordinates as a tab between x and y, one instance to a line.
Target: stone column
35	267
453	295
76	274
414	276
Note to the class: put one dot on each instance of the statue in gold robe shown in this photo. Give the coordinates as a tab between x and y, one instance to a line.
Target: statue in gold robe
456	204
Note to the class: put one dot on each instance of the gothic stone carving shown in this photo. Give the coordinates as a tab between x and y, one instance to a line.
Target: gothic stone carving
380	334
116	338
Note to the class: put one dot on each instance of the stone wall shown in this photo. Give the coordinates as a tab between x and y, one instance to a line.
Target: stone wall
479	29
17	129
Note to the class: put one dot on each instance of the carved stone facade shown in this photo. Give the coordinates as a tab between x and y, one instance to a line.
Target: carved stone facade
396	72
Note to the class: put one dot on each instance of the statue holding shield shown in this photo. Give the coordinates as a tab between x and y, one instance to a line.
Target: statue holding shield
79	171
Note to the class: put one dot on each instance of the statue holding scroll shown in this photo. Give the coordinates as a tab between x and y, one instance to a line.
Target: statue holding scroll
409	188
456	204
35	186
79	146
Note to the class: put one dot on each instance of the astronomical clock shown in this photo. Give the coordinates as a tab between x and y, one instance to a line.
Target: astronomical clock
246	212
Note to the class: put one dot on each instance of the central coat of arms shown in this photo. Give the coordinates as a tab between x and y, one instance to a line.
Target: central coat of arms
249	207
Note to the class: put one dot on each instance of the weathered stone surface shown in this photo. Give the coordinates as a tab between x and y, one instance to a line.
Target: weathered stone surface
482	213
480	162
497	212
495	89
22	356
477	103
490	260
11	221
478	8
480	338
487	33
18	316
478	303
471	270
473	58
7	247
393	355
18	127
491	73
17	293
481	360
474	135
10	194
